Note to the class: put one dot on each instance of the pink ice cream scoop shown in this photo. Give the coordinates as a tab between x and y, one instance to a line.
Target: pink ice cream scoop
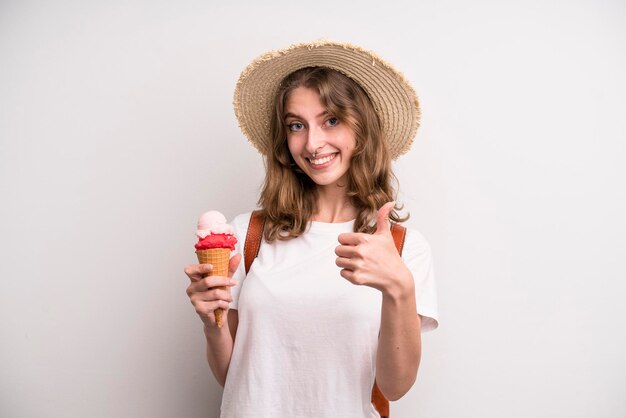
214	232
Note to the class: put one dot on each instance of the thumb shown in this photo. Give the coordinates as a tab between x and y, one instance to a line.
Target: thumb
233	264
382	222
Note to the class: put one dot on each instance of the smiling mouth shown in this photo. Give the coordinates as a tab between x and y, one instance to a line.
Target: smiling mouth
321	162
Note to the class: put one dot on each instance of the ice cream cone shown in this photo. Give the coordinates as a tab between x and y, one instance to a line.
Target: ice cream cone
219	259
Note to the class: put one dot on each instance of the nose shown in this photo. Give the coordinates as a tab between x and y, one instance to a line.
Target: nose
315	140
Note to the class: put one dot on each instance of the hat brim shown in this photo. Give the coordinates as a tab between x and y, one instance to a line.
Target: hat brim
392	96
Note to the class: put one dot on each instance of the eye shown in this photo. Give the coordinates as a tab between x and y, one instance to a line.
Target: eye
295	126
332	121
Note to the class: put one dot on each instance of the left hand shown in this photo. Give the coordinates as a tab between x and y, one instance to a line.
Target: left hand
373	260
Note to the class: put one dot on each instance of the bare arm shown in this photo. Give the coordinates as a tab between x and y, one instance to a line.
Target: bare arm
219	346
399	343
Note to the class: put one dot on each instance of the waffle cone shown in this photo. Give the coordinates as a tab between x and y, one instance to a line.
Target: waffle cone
219	259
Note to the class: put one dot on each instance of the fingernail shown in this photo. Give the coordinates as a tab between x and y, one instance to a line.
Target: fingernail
232	283
208	267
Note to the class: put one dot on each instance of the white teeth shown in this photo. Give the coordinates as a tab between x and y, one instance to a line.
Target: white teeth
324	160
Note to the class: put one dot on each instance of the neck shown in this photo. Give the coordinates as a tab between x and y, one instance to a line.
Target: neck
333	205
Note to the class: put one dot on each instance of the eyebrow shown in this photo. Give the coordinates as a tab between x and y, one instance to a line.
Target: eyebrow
293	115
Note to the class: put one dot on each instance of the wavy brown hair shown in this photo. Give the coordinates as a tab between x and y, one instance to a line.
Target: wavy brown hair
288	196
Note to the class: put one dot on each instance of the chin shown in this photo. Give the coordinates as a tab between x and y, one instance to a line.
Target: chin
339	181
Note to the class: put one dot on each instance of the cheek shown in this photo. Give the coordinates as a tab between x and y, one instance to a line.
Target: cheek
295	150
292	146
350	145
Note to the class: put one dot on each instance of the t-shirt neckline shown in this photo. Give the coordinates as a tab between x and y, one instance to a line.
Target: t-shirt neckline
334	227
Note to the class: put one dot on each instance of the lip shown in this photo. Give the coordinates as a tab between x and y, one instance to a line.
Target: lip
324	165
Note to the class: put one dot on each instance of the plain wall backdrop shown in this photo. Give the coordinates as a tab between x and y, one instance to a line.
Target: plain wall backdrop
117	131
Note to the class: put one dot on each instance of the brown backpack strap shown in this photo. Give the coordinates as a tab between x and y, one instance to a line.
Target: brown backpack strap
381	404
398	232
253	238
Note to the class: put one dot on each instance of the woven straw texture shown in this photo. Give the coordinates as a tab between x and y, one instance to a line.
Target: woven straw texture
219	258
391	94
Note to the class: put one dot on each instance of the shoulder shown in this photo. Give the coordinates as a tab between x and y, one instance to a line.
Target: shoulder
240	224
241	221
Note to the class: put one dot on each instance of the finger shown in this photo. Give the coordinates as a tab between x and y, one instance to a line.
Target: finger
346	263
214	294
209	282
197	272
348	251
207	309
216	281
353	238
382	221
347	274
233	264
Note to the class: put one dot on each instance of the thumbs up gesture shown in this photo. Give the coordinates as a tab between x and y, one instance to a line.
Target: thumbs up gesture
373	260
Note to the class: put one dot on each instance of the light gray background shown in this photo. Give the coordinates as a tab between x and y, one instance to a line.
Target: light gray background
116	132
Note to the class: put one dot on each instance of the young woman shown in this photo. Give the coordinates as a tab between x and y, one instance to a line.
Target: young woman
329	306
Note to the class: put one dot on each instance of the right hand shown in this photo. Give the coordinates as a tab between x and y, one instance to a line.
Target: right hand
207	293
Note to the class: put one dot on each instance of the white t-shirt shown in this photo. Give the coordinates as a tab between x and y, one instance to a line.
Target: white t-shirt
307	338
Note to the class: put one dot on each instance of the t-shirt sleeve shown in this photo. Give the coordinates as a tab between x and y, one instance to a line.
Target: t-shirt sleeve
240	225
417	256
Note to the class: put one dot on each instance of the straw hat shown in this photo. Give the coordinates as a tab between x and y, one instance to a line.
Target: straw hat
391	94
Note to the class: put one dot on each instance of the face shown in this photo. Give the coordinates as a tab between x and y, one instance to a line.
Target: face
311	129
